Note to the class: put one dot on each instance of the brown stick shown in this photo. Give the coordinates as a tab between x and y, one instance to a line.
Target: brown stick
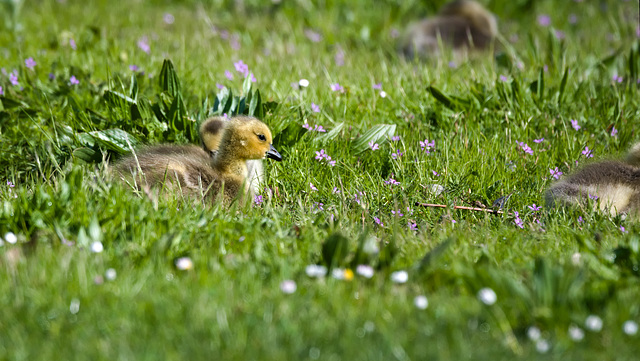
492	211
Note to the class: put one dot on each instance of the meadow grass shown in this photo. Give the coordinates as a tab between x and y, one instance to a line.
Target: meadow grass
90	267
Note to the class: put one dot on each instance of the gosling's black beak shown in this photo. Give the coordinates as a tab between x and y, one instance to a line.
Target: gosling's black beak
273	154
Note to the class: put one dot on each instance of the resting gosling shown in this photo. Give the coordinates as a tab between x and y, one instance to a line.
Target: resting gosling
195	171
461	24
211	131
613	185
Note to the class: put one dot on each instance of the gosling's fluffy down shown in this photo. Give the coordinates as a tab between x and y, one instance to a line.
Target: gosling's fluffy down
614	186
461	24
195	171
211	131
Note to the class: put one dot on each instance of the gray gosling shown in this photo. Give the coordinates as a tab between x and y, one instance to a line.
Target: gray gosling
461	24
211	131
613	185
199	173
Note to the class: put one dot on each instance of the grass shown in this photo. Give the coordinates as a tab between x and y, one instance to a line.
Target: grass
58	198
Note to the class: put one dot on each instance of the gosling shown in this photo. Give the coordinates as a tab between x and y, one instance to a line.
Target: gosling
211	132
613	185
198	173
461	24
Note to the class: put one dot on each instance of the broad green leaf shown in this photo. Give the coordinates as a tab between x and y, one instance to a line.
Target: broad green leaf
379	133
246	86
442	98
429	259
332	134
87	155
563	85
115	139
335	250
9	103
540	88
255	106
115	98
177	113
169	81
133	89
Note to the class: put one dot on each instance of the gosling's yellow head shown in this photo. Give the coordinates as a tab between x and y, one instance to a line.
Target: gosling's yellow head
249	138
474	12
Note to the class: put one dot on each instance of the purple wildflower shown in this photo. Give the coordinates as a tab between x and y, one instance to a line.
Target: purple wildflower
168	18
319	206
13	78
30	63
559	34
534	208
219	86
544	20
1	90
143	44
614	131
378	222
395	138
412	226
241	67
258	200
73	80
52	76
336	190
339	57
574	124
555	173
503	78
321	155
426	145
72	44
133	67
622	229
252	78
377	86
397	213
518	221
314	36
573	19
525	148
337	87
580	220
392	182
397	154
373	146
588	153
315	108
228	74
313	188
593	197
234	41
452	65
538	140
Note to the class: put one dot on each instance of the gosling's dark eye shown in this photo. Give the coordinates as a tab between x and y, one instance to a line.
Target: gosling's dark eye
262	137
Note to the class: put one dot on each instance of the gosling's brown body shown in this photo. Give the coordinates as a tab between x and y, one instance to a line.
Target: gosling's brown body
195	171
613	185
461	24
